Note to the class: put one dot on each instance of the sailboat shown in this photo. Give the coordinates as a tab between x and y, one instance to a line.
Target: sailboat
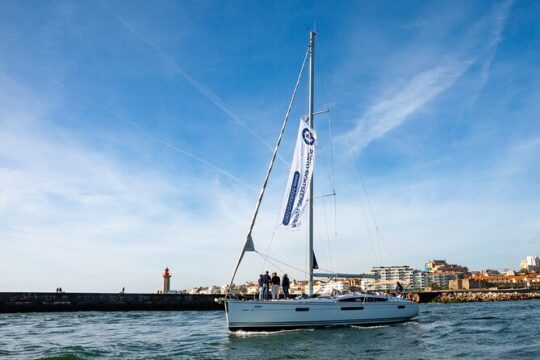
310	310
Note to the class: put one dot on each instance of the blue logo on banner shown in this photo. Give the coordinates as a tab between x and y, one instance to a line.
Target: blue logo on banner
308	136
290	201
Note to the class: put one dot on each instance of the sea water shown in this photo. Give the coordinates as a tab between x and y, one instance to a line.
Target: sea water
496	330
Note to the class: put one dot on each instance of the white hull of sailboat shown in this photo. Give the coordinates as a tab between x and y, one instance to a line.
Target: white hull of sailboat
316	312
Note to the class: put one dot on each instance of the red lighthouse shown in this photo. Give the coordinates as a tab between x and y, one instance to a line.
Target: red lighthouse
166	281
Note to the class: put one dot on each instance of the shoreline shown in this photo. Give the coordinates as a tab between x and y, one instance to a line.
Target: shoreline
19	302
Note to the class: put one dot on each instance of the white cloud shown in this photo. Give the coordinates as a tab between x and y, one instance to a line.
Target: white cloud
77	217
202	89
387	114
74	216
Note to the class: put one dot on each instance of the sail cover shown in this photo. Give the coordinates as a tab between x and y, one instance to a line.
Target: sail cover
298	185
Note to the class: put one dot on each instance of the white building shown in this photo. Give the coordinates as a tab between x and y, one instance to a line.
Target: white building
441	279
388	276
329	287
531	264
235	290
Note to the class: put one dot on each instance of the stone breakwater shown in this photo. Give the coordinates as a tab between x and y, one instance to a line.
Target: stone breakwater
50	302
470	296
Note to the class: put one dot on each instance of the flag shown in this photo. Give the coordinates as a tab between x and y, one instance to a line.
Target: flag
298	185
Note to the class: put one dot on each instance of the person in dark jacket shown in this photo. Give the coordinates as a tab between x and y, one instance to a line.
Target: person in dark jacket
285	283
267	280
399	290
275	285
261	287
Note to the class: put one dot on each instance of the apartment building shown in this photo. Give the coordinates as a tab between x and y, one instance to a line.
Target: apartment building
387	276
531	264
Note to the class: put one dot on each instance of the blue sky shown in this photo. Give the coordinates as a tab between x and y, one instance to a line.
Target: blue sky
135	135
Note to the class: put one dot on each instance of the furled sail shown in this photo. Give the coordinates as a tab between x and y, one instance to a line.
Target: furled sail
298	190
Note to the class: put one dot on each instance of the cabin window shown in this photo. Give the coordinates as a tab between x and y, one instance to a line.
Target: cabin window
367	299
401	307
302	309
376	299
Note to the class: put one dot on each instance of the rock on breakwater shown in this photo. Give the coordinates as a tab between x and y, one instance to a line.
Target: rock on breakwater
474	296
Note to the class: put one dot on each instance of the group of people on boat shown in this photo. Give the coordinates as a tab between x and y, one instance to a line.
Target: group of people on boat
269	286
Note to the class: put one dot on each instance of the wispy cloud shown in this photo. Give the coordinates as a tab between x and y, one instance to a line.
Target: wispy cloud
62	202
147	134
481	40
203	90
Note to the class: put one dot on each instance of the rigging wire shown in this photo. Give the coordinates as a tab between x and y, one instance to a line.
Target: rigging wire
332	177
267	257
358	194
331	137
327	235
377	229
267	250
274	265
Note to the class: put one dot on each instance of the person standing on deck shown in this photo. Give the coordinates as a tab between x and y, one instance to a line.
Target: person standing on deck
285	283
266	283
399	290
261	287
275	285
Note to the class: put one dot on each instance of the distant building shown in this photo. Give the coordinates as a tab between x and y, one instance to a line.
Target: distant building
467	284
490	272
251	288
531	264
443	266
234	290
338	285
196	290
440	273
442	279
509	281
433	264
297	287
387	276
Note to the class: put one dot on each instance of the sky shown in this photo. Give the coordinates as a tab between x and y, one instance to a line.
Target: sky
135	135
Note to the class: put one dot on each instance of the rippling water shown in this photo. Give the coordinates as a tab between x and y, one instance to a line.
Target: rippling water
498	330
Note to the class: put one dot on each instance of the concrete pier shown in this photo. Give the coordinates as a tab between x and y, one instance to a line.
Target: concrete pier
45	302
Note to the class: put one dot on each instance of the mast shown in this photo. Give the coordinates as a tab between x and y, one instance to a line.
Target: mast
310	107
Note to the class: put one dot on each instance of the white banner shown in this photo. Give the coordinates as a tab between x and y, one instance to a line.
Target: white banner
298	185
